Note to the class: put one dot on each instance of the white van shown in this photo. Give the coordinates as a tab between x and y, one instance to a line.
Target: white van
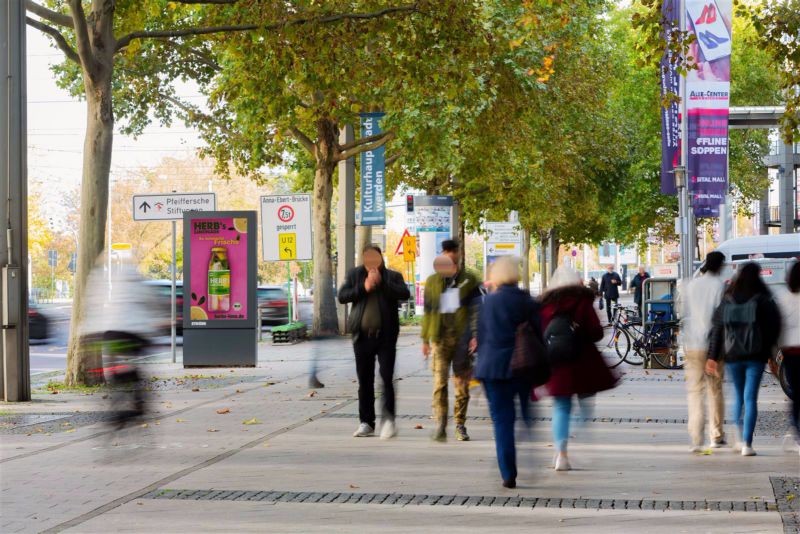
761	246
773	272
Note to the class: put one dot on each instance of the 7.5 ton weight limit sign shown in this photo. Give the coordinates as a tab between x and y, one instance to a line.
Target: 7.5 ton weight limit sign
286	227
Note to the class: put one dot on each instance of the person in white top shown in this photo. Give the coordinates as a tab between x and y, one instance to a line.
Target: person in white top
698	300
789	342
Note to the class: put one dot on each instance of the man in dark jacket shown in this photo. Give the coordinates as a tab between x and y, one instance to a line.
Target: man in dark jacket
637	284
609	288
374	292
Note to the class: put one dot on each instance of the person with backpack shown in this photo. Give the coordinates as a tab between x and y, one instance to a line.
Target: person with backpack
571	328
698	300
747	324
789	304
502	313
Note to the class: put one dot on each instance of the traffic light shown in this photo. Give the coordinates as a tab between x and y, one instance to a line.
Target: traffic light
409	203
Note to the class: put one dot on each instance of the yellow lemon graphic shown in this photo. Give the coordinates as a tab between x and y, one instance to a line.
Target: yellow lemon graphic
198	314
240	223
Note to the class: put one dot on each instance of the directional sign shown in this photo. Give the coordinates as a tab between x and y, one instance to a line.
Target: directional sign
171	206
286	227
504	239
409	248
287	248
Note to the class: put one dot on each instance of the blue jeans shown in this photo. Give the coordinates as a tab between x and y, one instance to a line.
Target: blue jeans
501	394
562	408
746	377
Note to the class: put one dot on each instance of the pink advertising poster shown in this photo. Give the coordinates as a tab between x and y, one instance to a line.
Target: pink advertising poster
219	261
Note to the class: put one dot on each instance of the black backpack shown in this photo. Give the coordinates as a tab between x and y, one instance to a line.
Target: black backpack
562	339
742	335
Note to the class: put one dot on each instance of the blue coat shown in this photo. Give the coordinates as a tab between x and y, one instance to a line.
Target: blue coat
500	314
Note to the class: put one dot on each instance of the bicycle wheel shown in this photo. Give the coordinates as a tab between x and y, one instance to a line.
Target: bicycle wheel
636	355
622	345
663	348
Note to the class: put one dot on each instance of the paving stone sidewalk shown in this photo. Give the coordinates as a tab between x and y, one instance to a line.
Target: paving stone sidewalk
257	451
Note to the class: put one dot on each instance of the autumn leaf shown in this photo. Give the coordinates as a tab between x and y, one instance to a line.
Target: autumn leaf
223	411
212	430
252	421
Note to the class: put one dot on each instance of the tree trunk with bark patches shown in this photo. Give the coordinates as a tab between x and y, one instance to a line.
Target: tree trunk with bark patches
325	321
96	50
363	238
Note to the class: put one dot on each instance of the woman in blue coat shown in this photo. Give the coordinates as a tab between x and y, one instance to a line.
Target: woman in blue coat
501	313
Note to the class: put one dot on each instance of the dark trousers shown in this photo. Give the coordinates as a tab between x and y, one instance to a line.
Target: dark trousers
501	394
791	365
609	311
366	349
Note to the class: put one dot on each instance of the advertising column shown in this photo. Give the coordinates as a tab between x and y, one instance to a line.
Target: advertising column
433	217
707	93
219	274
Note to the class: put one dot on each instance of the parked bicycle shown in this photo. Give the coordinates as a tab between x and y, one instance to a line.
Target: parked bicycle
641	345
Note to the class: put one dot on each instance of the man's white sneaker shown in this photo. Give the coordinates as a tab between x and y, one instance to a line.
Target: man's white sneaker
365	430
748	451
388	429
695	449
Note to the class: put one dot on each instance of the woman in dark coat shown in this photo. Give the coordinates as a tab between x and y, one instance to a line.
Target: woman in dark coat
501	313
587	373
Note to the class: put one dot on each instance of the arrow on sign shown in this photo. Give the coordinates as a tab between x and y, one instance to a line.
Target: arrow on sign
144	206
288	251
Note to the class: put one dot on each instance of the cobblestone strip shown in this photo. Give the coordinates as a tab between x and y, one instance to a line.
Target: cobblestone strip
406	499
786	491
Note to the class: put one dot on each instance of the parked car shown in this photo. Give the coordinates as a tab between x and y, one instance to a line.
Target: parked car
273	303
38	323
164	290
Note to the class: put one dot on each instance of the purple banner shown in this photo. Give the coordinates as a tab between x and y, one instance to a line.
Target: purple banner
707	101
670	84
708	159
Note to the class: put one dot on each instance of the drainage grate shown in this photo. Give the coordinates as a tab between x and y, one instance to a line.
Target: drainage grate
617	420
403	499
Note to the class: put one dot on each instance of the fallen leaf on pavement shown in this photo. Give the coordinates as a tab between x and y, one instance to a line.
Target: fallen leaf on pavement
180	420
144	425
223	411
252	421
418	427
238	391
212	430
353	486
790	497
66	431
312	394
195	389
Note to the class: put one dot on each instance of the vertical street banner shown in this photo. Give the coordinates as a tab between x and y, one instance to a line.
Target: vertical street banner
707	104
373	184
670	85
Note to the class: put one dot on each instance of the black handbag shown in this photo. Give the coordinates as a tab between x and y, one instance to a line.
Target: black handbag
529	359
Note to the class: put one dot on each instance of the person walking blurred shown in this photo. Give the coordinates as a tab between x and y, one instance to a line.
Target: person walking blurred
451	301
571	328
374	322
746	326
789	342
609	288
501	313
698	300
637	285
